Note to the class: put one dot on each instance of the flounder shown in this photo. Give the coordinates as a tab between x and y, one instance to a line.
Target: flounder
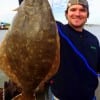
29	52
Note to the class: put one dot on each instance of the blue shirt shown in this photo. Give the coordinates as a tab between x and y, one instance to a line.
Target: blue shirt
74	81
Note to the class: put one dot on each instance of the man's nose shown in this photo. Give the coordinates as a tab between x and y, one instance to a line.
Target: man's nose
77	13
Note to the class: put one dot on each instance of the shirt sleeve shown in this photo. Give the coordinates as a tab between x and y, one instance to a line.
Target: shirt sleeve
98	65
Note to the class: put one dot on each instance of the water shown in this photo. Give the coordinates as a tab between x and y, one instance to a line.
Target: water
2	34
95	29
3	76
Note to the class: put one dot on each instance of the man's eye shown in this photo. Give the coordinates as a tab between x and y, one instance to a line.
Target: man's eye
72	9
83	10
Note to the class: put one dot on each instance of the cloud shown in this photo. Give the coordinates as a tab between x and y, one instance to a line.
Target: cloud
7	5
57	3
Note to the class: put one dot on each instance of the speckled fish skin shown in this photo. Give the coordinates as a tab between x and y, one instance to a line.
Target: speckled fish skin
29	53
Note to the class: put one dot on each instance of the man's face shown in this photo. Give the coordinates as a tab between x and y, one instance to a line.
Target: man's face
77	15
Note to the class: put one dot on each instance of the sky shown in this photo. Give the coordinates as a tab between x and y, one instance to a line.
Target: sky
58	9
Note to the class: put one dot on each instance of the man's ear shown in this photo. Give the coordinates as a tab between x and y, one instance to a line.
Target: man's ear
66	14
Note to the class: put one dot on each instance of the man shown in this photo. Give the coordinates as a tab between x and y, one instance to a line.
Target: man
76	78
